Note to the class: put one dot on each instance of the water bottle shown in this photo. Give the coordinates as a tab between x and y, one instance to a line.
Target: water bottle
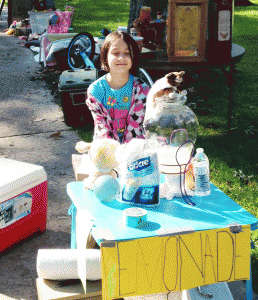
201	173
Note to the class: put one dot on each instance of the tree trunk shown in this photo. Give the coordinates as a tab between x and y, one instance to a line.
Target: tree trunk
243	3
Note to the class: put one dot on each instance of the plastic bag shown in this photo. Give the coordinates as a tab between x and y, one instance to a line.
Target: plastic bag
139	172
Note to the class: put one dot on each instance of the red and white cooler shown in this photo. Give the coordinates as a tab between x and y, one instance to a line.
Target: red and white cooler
23	201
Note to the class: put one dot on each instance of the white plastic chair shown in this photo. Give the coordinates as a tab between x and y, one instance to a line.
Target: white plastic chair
39	21
40	24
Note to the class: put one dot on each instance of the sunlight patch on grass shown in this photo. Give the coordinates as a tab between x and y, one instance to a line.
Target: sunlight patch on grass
209	131
92	16
245	20
249	62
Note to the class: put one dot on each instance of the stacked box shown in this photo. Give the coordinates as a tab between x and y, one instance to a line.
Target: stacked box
23	201
51	290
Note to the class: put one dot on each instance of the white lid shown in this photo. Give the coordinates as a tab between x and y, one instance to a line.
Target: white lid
199	150
135	212
17	177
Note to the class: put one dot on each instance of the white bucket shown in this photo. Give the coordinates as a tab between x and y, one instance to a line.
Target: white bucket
139	41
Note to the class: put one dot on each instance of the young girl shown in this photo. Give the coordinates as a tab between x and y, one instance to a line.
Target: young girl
117	100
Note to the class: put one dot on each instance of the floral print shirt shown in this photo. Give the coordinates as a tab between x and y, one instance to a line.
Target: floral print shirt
110	121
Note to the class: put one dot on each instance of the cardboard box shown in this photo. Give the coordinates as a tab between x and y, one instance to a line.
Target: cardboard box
79	174
49	290
23	201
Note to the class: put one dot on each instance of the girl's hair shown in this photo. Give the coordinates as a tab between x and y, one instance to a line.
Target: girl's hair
131	44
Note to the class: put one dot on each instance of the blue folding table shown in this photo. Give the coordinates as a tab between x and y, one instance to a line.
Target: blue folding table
211	212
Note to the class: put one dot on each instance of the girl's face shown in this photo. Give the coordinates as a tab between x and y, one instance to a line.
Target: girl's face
119	59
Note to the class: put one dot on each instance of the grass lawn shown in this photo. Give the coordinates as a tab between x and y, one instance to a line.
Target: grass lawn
233	157
93	15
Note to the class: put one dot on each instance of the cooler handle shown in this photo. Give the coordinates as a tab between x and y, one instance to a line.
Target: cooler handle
72	96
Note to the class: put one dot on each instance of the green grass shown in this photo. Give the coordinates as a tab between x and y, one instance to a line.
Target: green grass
228	153
93	15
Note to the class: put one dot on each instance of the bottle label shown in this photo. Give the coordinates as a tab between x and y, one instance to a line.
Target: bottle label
200	170
224	25
202	183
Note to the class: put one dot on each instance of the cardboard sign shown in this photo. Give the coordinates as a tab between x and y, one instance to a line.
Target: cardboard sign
174	263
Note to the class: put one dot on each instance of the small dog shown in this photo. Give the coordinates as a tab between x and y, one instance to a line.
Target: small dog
174	80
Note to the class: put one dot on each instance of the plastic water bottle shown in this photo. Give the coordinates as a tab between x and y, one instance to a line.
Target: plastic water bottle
201	173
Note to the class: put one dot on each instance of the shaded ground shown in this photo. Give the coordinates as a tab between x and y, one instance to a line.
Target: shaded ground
29	115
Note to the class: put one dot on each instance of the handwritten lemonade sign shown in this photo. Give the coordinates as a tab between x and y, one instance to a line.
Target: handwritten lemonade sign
173	263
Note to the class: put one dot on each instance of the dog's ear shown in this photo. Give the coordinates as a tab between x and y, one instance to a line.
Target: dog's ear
171	77
179	74
175	78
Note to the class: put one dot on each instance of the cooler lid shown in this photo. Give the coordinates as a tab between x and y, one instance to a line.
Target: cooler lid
76	79
17	177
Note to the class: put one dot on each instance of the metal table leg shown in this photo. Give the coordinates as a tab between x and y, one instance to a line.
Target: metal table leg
229	77
72	212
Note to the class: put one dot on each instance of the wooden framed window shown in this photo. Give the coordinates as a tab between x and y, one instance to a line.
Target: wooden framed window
187	30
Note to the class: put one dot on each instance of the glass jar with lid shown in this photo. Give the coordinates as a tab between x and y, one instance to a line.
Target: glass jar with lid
170	113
